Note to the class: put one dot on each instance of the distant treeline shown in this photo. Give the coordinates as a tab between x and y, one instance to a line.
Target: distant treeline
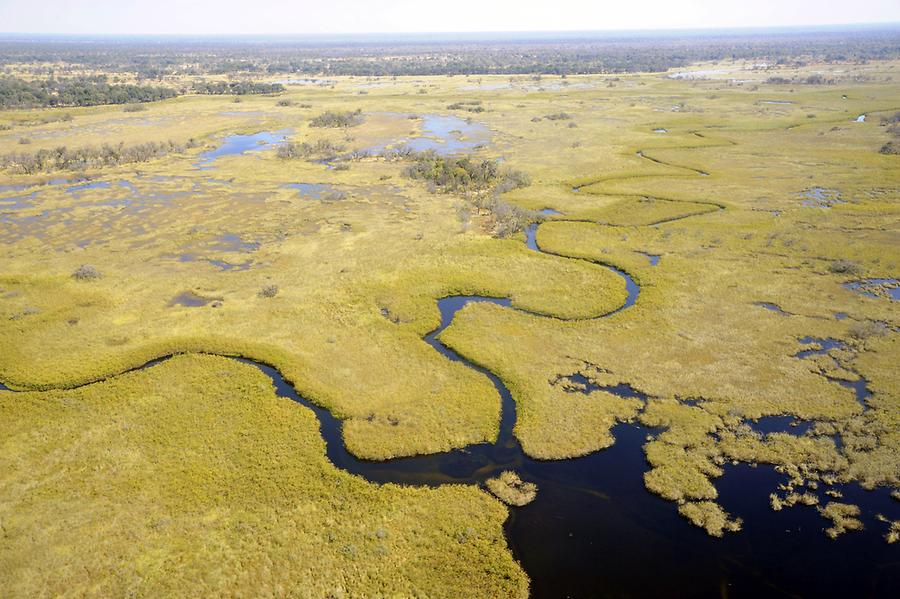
76	91
87	157
589	53
238	88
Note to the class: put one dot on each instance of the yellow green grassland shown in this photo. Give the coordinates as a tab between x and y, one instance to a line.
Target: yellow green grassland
145	481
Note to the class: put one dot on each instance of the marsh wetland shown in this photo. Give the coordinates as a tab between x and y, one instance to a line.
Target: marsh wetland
455	336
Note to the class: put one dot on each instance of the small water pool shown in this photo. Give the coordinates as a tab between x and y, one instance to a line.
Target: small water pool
241	144
447	134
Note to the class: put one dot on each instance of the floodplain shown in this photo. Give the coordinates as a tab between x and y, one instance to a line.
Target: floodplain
293	350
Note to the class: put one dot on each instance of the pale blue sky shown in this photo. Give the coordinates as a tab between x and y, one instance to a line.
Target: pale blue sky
367	16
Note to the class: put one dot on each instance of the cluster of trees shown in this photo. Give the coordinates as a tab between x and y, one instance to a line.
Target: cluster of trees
482	181
338	119
462	174
76	91
87	157
320	150
236	88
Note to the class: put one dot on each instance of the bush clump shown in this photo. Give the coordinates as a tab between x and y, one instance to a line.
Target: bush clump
511	489
467	105
844	267
320	150
86	272
508	218
868	328
338	119
890	149
268	291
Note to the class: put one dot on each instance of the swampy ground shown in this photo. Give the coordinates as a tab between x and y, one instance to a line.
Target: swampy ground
754	218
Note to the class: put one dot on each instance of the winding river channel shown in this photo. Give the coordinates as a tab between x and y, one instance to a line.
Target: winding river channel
595	531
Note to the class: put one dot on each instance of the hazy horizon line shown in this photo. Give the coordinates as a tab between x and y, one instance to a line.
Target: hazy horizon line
471	33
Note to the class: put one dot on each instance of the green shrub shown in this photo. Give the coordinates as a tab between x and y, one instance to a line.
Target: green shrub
338	119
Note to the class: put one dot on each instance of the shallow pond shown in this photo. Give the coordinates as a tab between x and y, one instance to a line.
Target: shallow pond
773	308
189	299
447	134
315	191
820	197
241	144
